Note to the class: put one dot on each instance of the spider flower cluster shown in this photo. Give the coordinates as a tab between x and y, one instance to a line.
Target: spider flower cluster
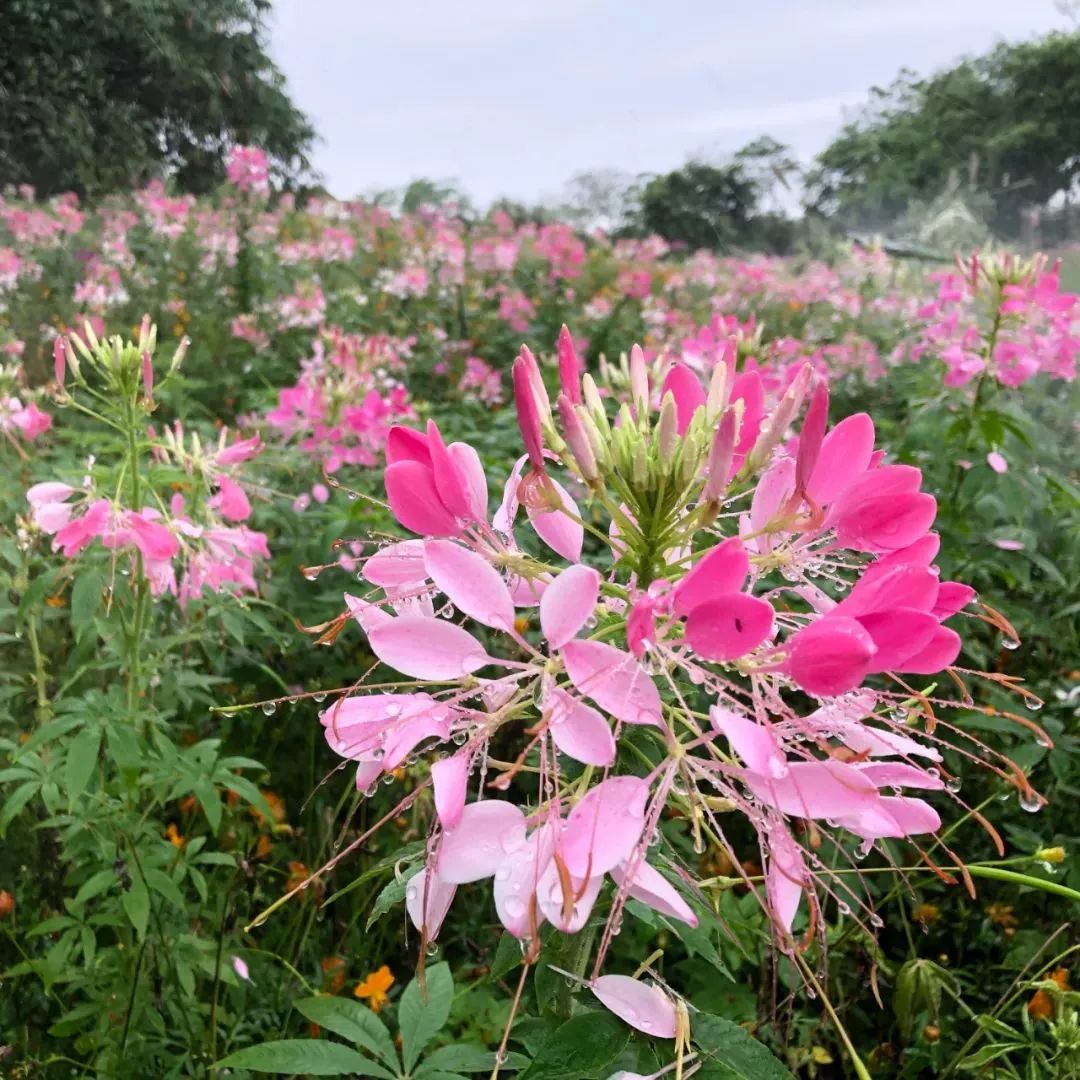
677	603
195	541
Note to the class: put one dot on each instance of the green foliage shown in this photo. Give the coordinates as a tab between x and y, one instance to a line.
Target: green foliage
100	95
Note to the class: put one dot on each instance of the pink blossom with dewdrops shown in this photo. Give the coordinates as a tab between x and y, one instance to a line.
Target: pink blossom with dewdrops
754	564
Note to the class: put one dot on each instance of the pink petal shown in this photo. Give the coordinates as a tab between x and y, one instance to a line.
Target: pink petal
753	742
562	533
896	586
785	878
470	582
729	627
449	481
643	1007
397	566
486	834
900	774
687	391
517	881
887	522
773	490
844	456
450	778
614	680
368	615
648	885
605	826
579	731
722	570
404	444
553	905
815	789
414	500
893	816
952	596
830	656
567	604
937	654
472	472
897	635
527	592
427	900
424	648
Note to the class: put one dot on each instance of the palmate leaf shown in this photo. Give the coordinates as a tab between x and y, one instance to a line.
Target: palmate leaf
353	1021
312	1057
421	1017
583	1046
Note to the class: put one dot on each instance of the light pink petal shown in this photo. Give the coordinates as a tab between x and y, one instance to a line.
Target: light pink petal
605	826
614	680
397	566
559	529
772	491
867	740
897	635
470	582
830	656
644	1008
517	881
503	520
729	626
472	472
579	731
900	774
567	604
648	885
403	737
427	899
50	491
815	789
450	778
485	835
368	615
722	570
785	878
425	648
844	456
414	500
571	913
893	816
753	742
527	592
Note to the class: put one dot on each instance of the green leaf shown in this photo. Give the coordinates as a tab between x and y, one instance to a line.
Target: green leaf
313	1057
208	798
730	1052
136	903
507	956
458	1058
15	802
420	1017
85	601
392	894
81	759
583	1046
354	1021
94	886
164	885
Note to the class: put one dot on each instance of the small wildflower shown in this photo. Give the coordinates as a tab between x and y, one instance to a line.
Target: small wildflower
374	988
1053	855
333	968
1002	915
172	834
241	969
1041	1005
7	904
925	914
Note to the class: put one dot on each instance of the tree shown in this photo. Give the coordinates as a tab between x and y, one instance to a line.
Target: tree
1006	125
99	95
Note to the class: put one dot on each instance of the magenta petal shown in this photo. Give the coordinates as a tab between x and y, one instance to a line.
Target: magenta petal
896	586
405	444
415	502
579	731
560	531
843	457
648	885
449	480
773	490
722	570
450	778
951	597
605	826
486	834
830	656
426	648
567	604
470	582
614	680
729	627
644	1008
897	635
753	742
427	899
397	566
887	522
937	654
815	789
687	391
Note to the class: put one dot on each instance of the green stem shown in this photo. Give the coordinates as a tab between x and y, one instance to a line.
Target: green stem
40	675
997	874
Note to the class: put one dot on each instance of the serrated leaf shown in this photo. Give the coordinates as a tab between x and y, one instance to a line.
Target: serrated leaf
422	1016
459	1058
313	1057
354	1021
730	1052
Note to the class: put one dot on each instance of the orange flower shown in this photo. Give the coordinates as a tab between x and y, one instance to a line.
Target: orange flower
298	873
7	904
172	834
188	805
1002	915
1041	1005
277	808
926	914
333	973
375	987
262	847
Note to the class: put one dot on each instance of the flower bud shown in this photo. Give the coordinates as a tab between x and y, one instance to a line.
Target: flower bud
778	423
723	377
667	430
595	404
569	367
536	383
639	385
144	334
72	359
178	356
528	412
721	454
577	440
59	361
147	375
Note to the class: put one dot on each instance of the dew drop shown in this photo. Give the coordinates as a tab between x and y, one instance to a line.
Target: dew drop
1033	704
269	708
311	572
320	696
1010	643
952	785
432	948
1030	802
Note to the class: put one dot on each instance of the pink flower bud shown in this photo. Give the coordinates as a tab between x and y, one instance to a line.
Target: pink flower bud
147	375
639	383
59	361
577	440
720	456
528	411
813	432
569	367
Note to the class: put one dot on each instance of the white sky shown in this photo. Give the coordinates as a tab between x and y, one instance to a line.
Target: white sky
512	97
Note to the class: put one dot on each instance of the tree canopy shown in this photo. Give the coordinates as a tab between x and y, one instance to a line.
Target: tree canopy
98	95
1005	125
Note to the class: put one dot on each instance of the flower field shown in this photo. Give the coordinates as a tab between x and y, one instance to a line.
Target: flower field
439	645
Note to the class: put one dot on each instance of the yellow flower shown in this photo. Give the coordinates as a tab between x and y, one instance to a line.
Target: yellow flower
926	914
1050	855
374	988
172	834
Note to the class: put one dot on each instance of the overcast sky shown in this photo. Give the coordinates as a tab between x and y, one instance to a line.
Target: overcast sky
512	97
